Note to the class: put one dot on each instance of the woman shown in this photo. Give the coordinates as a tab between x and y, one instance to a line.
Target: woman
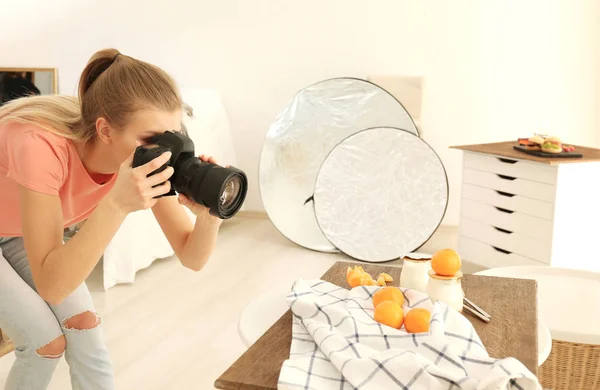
63	161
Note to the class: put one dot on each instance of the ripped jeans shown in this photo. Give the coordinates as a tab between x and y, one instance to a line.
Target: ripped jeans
41	333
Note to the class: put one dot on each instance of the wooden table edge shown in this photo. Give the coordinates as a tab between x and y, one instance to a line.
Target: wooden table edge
228	385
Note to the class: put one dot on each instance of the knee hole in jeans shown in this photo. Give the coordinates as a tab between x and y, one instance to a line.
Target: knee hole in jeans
54	349
82	321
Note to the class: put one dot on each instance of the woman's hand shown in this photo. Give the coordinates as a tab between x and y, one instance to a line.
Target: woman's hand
198	209
134	190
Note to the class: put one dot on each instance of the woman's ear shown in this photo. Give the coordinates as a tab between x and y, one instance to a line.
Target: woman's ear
104	130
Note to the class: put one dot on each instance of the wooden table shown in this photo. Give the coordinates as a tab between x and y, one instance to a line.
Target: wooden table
506	149
512	332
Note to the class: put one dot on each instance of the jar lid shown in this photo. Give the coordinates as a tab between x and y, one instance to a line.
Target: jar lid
456	276
416	260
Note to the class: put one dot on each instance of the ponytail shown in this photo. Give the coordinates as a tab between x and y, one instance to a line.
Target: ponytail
55	113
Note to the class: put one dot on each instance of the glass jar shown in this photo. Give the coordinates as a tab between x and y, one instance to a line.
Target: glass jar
447	289
414	273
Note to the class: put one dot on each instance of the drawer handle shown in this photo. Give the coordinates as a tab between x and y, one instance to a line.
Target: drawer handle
503	230
506	160
504	210
505	194
502	250
506	177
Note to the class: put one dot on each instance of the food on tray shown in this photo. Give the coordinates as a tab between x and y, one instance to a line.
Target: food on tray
417	320
354	277
389	313
386	277
388	293
552	145
545	144
446	262
383	279
350	271
535	143
367	280
357	276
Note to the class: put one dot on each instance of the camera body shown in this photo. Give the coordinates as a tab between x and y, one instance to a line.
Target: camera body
179	146
222	190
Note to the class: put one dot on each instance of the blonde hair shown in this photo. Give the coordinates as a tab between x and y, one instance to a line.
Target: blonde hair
112	86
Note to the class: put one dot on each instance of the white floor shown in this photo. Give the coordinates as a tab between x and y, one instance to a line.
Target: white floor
177	329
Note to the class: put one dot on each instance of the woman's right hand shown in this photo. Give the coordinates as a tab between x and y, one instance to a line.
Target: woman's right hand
134	190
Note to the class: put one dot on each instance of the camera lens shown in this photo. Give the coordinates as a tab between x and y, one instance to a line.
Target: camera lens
222	190
231	191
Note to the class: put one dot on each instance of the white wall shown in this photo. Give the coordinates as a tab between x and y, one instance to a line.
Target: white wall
494	70
499	70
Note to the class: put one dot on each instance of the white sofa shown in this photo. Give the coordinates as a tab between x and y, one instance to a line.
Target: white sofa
140	240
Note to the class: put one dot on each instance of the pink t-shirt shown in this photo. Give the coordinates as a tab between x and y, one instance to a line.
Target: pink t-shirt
48	163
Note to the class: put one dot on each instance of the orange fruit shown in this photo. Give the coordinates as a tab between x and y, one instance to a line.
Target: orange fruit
349	272
355	279
389	293
352	271
367	280
389	313
446	262
358	277
417	321
353	276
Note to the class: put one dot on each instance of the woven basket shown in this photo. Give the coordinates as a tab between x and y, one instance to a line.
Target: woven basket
571	366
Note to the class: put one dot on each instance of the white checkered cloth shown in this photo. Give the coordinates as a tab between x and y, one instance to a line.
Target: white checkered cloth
336	344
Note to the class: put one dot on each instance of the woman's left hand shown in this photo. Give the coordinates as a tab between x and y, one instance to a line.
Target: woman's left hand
206	158
198	209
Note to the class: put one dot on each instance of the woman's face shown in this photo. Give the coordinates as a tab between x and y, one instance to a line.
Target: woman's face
144	124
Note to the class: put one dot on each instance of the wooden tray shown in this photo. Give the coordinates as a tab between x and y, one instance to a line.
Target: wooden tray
539	153
512	332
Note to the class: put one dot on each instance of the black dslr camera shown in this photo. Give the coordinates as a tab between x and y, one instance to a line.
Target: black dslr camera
222	190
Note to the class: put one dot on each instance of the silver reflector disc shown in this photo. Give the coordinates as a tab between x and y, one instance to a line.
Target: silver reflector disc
380	194
314	122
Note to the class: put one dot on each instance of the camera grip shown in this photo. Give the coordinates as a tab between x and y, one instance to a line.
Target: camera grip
144	155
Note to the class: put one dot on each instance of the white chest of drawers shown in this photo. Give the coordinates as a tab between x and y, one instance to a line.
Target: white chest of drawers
518	209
